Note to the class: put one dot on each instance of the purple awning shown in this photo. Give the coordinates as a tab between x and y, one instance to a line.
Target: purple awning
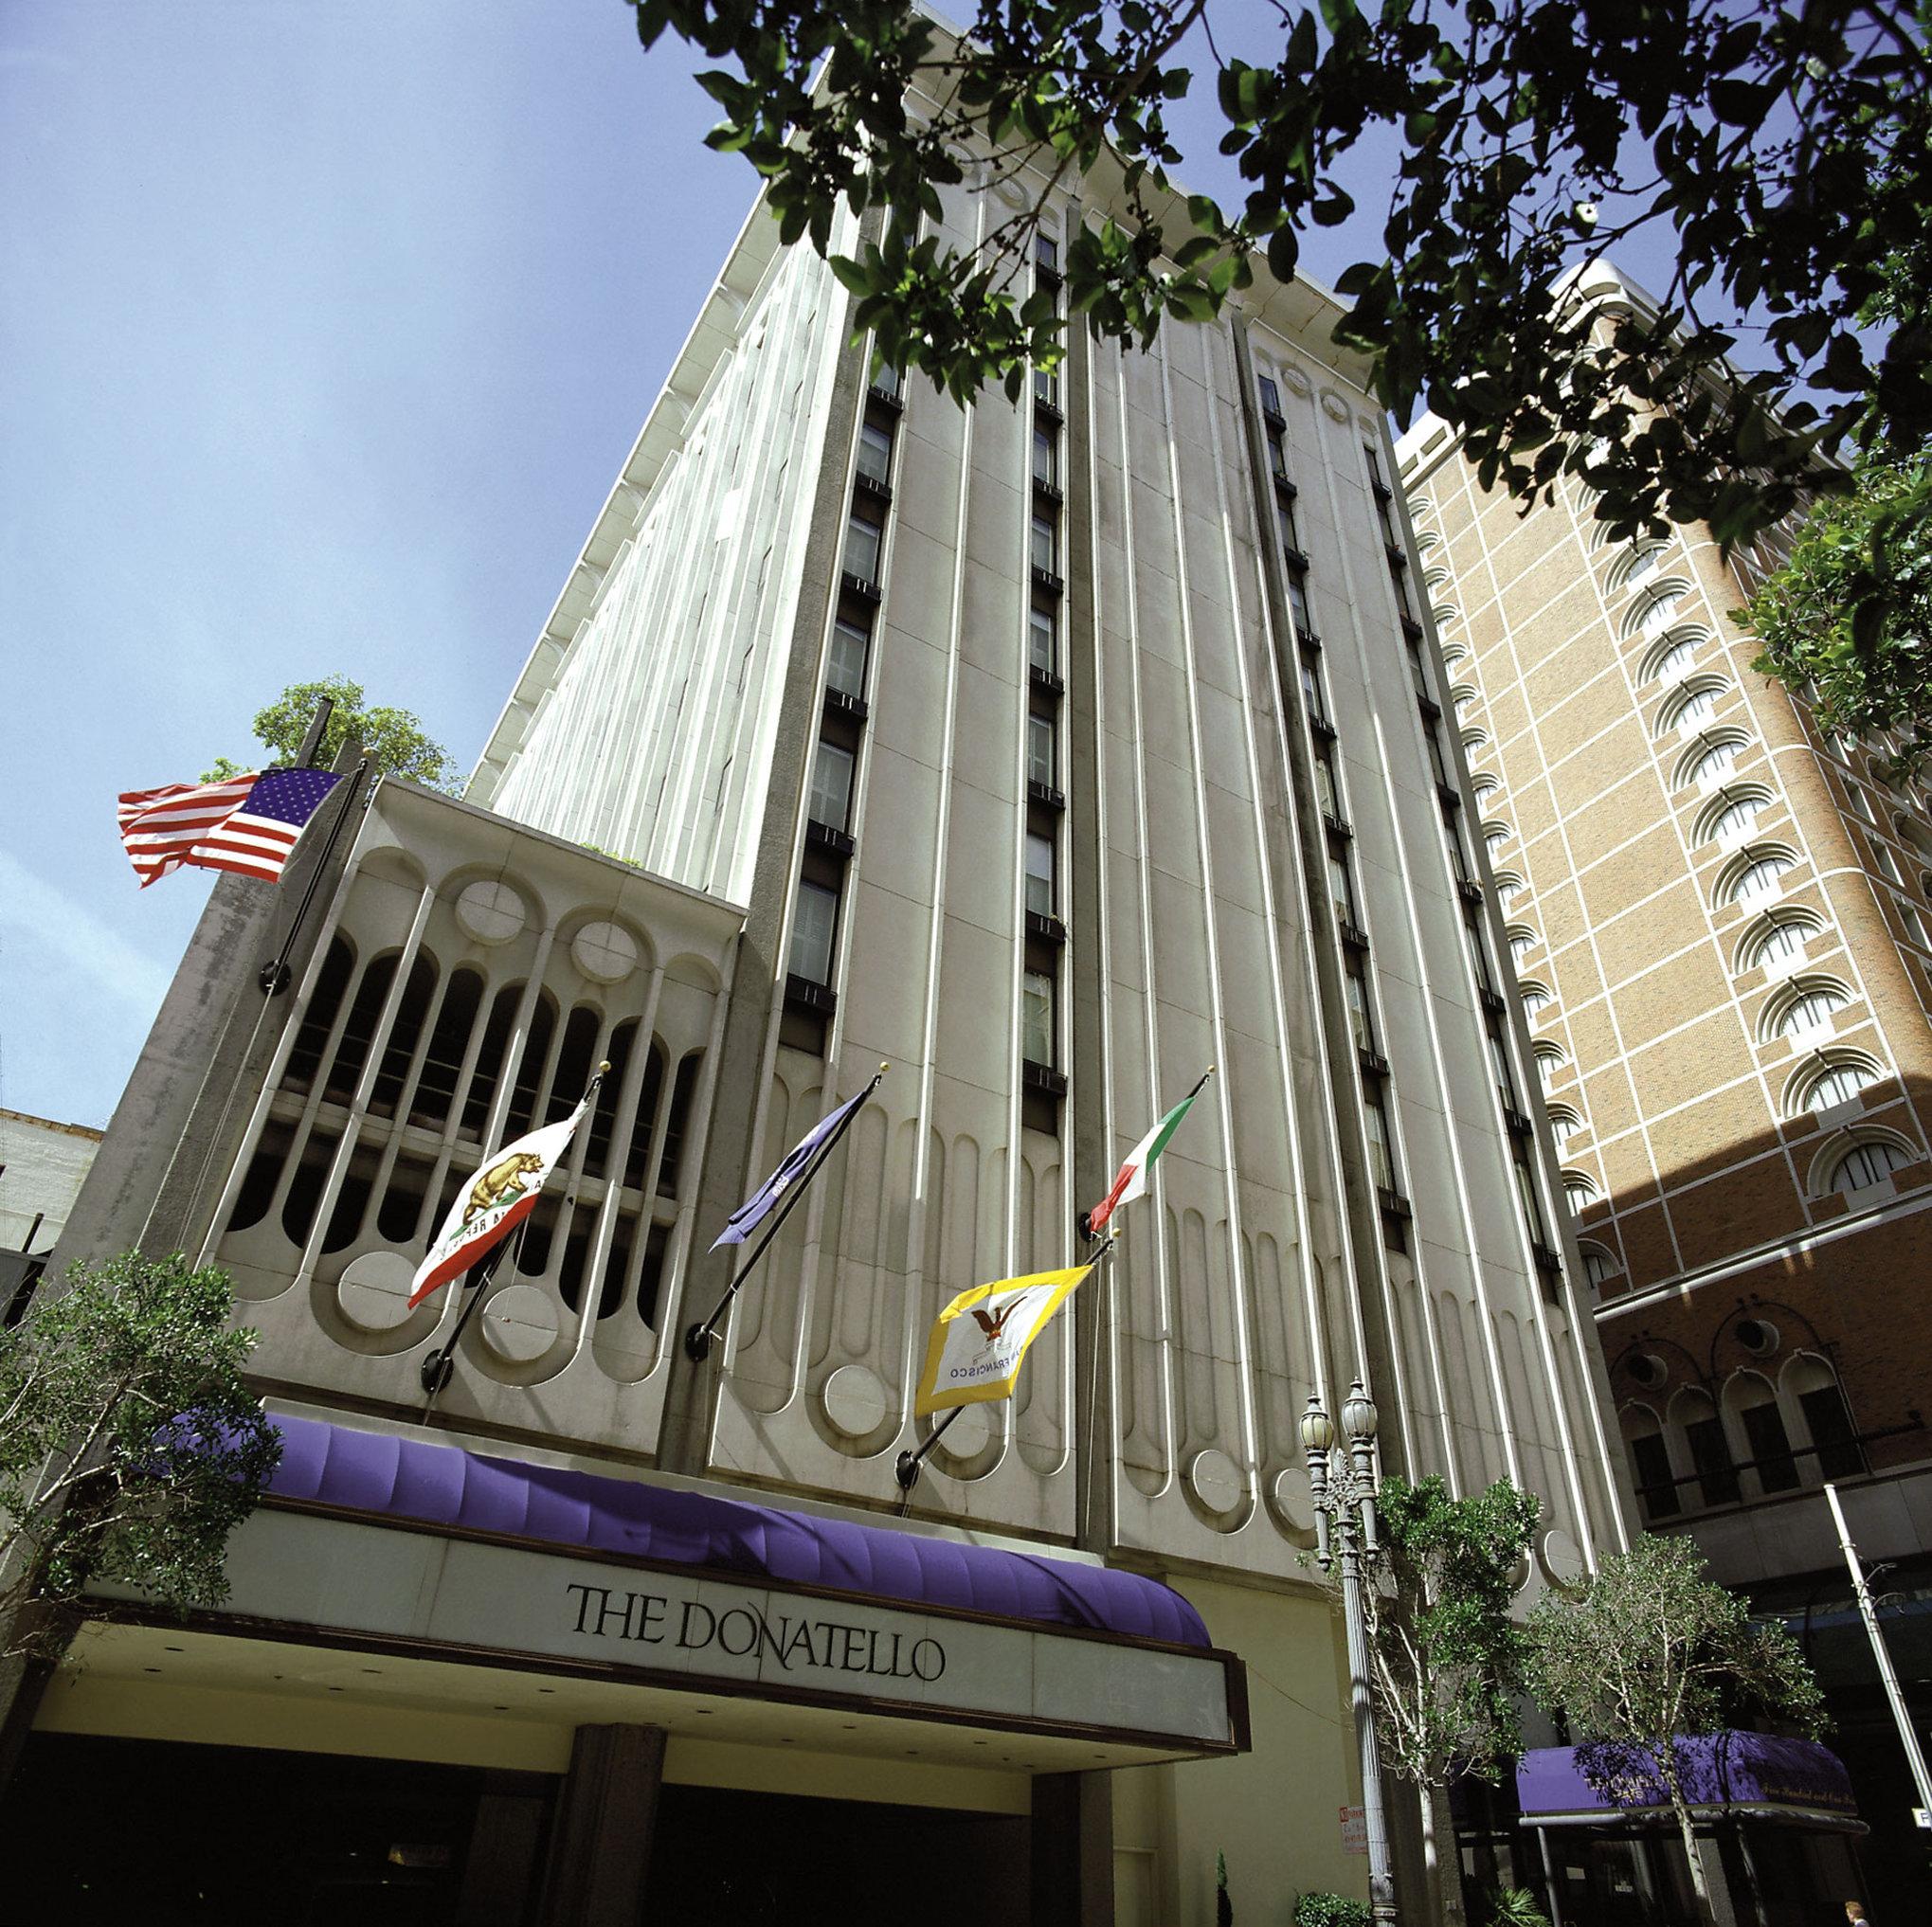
1759	1773
410	1478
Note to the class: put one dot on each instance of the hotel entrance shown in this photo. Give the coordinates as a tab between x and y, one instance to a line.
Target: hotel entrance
99	1833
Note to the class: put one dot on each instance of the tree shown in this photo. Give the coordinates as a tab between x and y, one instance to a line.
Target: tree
1786	154
391	739
130	1447
1446	1659
1652	1651
1848	619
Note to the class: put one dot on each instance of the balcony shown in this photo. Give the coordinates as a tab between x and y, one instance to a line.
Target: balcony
1393	1204
1045	794
1042	1078
823	836
805	995
1295	560
860	589
1470	891
1047	582
1516	1121
1397	555
1371	1060
1048	680
1490	1001
863	484
1336	826
838	703
1048	490
1049	929
889	399
1352	933
1447	794
1411	629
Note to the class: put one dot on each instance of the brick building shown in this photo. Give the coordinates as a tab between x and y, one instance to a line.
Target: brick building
1717	917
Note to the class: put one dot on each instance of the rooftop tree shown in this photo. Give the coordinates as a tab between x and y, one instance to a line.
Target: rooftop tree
393	740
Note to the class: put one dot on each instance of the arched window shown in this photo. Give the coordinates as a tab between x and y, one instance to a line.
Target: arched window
1653	609
1636	565
1495	834
1672	655
1753	1404
1698	1422
1599	1268
1566	1122
1579	1192
1694	705
1731	816
1758	874
1708	760
1445	613
1522	941
1808	1005
1535	996
1836	1080
1508	886
1550	1058
1453	653
1460	695
1433	577
1483	786
1473	739
1649	1453
1776	937
1867	1162
1836	1453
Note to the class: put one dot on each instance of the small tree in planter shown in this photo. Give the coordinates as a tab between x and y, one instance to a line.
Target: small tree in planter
130	1447
1446	1659
1654	1651
1331	1910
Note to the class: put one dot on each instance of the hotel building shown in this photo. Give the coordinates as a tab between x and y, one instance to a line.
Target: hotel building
1049	754
1717	922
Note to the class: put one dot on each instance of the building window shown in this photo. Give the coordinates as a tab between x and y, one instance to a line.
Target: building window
1710	1452
845	665
863	541
1278	454
1695	709
876	452
1270	396
1040	653
831	800
1839	1084
1046	547
1765	1438
1866	1165
1046	252
1734	819
1438	762
1821	1401
1355	986
1719	759
1298	603
1284	522
1525	1196
1340	887
1478	957
814	920
1380	1159
1811	1008
1599	1268
1327	791
1039	874
1039	750
1046	455
1046	387
1676	659
885	378
1311	688
1759	877
1522	942
1036	1017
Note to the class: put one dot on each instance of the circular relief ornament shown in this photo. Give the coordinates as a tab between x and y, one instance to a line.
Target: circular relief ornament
374	1291
520	1323
1216	1481
854	1402
1293	380
968	1435
1294	1500
605	952
1562	1561
1334	406
492	912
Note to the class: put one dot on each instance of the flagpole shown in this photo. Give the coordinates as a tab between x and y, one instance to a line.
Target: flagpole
698	1338
906	1467
438	1367
274	978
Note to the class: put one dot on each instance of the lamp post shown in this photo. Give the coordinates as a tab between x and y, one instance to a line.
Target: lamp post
1344	1489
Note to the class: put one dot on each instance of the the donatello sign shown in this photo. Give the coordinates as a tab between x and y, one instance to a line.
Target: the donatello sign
794	1641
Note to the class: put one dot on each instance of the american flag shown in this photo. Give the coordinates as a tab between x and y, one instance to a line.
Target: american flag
245	824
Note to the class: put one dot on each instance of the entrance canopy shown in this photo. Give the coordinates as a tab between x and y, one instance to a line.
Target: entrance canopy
383	1475
1760	1775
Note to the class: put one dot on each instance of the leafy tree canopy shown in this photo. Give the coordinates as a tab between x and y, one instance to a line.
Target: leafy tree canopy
130	1447
1652	1649
392	740
1848	619
1785	149
1445	1656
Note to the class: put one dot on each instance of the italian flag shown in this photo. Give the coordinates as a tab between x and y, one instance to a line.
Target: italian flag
1133	1181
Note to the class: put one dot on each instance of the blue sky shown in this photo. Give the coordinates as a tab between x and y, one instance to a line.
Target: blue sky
324	328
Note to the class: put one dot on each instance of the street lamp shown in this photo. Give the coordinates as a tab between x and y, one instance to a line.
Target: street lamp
1344	1489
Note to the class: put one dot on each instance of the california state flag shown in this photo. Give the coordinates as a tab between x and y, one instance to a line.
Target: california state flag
979	1339
1132	1181
495	1202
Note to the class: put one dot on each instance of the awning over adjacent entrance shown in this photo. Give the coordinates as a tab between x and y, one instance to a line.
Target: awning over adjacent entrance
398	1478
1757	1775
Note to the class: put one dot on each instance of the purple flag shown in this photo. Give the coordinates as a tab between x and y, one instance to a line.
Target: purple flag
749	1215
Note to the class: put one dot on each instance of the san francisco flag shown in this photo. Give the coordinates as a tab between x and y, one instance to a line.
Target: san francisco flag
980	1340
495	1201
1133	1181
